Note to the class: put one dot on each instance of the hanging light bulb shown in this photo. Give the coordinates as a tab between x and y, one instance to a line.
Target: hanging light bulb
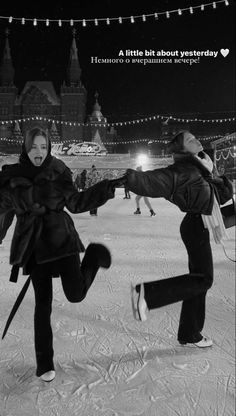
179	12
167	15
108	21
202	7
71	22
120	20
23	21
132	19
59	23
47	22
226	2
191	10
84	22
10	19
156	16
214	5
144	18
35	22
96	22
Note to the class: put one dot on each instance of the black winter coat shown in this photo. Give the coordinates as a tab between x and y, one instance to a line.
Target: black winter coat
43	226
186	183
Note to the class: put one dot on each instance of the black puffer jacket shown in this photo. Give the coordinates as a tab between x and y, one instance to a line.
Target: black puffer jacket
186	183
43	226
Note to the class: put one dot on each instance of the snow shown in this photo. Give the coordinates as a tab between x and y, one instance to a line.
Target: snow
108	364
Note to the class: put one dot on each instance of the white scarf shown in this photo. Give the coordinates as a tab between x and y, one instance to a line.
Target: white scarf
213	222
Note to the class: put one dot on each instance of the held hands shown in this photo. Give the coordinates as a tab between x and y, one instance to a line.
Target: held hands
118	182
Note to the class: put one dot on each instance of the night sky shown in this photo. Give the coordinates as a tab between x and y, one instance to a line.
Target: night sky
131	91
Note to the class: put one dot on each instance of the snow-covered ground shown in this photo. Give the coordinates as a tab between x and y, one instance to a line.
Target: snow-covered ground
108	364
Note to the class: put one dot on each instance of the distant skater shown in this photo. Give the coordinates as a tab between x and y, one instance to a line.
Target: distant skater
146	201
83	179
92	177
127	193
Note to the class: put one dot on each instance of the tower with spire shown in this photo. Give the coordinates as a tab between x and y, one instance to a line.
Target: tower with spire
8	91
63	114
97	123
73	97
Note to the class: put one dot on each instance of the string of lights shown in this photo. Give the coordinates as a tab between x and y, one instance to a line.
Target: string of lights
166	119
161	140
224	155
122	141
121	19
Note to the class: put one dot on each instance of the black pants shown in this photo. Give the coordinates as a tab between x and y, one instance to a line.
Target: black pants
76	280
127	194
190	288
93	211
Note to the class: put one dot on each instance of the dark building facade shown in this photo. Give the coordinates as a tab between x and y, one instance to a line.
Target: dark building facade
63	115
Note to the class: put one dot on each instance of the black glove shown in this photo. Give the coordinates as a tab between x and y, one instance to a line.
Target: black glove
118	182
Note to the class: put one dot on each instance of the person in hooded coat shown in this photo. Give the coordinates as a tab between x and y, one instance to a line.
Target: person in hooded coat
45	242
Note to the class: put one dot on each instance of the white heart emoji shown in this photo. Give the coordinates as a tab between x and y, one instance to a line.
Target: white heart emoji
224	52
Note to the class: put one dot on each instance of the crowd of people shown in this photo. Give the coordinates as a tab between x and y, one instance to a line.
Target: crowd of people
46	244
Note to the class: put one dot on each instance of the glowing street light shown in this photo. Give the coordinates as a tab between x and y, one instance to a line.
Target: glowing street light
142	158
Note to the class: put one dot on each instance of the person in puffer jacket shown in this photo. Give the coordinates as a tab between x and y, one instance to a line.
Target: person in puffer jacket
45	243
188	183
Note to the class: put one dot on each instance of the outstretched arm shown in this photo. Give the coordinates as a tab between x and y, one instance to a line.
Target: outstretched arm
155	183
121	181
6	220
6	212
91	198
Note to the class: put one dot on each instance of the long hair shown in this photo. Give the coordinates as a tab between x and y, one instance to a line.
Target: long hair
30	136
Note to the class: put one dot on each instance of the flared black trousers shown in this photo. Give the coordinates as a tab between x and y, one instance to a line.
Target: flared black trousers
76	279
190	288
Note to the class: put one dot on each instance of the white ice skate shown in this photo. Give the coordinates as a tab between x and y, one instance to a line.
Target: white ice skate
205	342
48	376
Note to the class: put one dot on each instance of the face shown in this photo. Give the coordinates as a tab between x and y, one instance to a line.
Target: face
38	152
191	144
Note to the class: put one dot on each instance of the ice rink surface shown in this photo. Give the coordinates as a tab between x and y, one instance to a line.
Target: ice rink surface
108	364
